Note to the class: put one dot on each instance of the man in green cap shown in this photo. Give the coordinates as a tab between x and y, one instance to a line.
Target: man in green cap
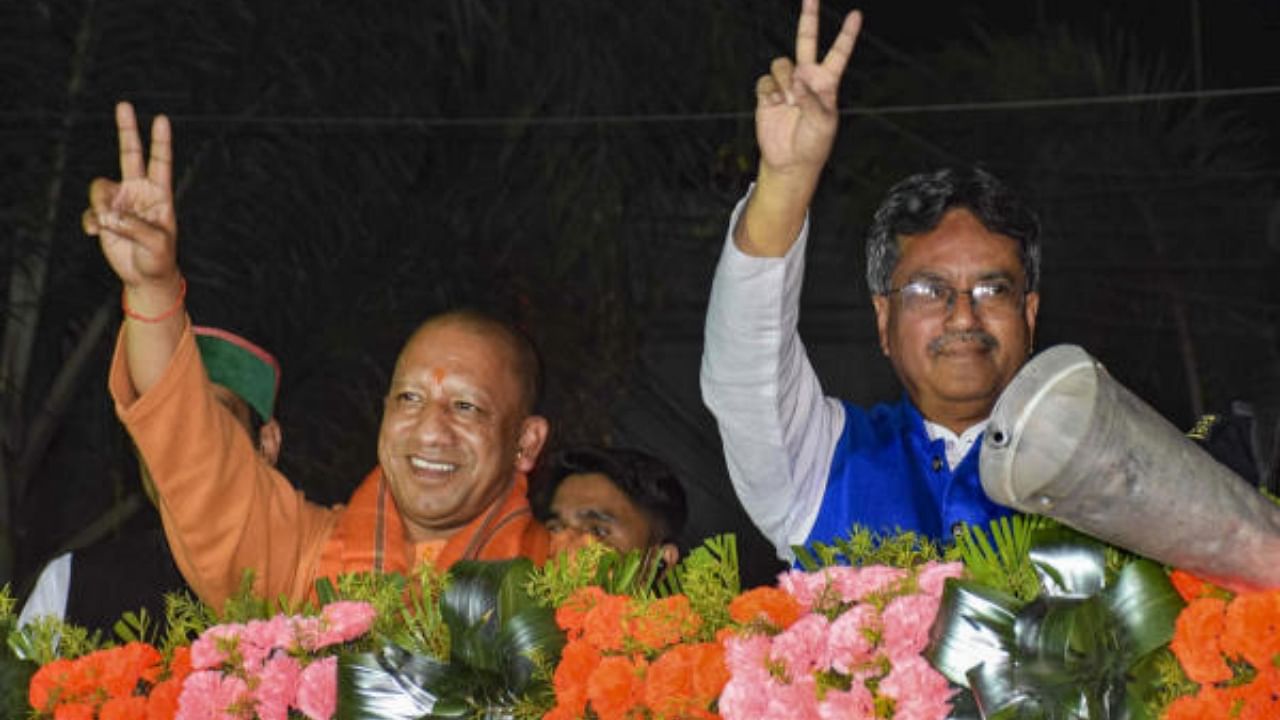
94	586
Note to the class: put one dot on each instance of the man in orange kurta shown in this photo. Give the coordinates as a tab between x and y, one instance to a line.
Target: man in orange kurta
457	437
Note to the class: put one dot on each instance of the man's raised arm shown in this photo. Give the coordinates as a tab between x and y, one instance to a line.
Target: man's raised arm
796	120
135	222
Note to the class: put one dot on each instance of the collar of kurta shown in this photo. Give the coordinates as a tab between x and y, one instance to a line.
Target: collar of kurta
371	536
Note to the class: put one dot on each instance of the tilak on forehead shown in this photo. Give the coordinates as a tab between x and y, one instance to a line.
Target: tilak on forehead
438	374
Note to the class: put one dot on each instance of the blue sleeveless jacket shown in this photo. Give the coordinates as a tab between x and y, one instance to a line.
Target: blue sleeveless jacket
887	475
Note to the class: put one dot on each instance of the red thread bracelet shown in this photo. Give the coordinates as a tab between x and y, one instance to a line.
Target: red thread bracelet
173	309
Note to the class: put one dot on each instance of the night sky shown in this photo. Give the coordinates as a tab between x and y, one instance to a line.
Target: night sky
349	170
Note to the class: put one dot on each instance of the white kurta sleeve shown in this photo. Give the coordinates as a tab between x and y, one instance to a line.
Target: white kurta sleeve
49	597
777	427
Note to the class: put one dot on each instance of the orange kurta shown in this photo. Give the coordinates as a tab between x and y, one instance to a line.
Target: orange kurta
225	509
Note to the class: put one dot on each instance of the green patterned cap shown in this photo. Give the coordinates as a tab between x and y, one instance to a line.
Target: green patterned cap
241	366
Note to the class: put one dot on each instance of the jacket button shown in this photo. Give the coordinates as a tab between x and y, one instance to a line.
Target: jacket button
937	464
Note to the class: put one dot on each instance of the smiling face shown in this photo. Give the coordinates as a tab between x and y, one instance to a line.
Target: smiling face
954	363
455	427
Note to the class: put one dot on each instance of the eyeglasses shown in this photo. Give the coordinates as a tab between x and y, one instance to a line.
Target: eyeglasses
931	297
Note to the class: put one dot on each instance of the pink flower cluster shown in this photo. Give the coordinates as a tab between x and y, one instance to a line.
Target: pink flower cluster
262	668
854	653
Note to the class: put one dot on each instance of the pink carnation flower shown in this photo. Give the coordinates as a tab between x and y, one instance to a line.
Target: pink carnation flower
933	575
277	686
855	703
257	640
207	651
861	582
345	621
907	620
795	701
802	648
744	697
318	689
748	657
307	631
208	695
807	588
921	693
848	644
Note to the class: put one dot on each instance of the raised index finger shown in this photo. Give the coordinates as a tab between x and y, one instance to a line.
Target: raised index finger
842	49
160	164
807	33
131	165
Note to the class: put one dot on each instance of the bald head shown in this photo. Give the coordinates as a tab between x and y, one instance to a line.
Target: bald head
521	355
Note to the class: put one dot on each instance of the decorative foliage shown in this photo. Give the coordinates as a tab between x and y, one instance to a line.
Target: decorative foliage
1083	648
864	547
597	637
501	648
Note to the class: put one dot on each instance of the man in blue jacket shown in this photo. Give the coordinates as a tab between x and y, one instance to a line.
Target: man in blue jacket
953	267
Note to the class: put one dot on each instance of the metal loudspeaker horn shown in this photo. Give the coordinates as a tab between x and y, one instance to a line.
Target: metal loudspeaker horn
1067	441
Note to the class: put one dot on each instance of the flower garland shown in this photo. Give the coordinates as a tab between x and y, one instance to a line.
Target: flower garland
126	682
259	669
841	642
1230	645
630	657
863	640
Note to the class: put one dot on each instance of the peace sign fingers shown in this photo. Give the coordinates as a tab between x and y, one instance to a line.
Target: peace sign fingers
131	162
160	164
842	49
807	33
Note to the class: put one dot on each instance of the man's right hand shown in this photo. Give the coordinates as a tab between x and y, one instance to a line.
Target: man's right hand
796	121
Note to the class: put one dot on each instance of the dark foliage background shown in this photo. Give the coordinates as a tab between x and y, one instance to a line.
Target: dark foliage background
346	169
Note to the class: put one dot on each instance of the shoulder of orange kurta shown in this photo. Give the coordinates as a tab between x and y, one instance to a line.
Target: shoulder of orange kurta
371	536
224	508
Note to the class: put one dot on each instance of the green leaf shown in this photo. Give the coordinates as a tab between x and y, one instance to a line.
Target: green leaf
974	626
389	684
523	640
325	591
1068	563
1146	605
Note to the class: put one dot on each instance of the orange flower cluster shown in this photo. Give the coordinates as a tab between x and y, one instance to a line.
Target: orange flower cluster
769	605
1217	630
630	658
128	682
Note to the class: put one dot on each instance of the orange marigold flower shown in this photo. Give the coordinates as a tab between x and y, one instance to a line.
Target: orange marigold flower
663	622
603	626
162	703
770	604
573	612
180	663
46	687
73	711
1253	627
1188	586
122	667
616	687
685	680
124	708
1195	640
1208	703
577	661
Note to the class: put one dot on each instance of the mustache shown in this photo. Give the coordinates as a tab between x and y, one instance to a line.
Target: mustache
982	337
